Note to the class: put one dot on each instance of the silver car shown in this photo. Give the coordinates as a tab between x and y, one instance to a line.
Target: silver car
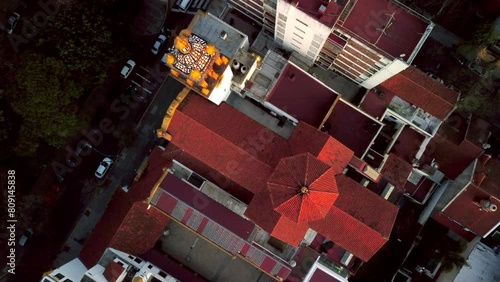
103	167
127	68
159	41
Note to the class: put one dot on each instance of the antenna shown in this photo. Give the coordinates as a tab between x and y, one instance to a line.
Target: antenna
386	26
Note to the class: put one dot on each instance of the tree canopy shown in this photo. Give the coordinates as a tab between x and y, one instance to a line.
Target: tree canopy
44	99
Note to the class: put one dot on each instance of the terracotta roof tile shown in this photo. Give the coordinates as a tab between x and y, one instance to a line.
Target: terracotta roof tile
302	171
419	89
349	233
289	231
396	170
366	206
335	154
215	139
119	208
140	229
451	158
113	271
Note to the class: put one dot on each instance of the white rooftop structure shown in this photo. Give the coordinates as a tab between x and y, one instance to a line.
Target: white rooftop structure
483	265
114	265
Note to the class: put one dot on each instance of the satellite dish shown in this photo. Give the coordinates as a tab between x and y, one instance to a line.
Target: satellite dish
402	55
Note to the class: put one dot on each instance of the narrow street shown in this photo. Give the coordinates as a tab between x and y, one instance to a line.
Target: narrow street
82	197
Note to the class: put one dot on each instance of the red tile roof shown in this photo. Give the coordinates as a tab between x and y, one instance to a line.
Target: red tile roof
351	127
113	271
396	171
335	154
224	139
117	215
491	183
465	210
451	158
140	229
290	95
421	90
218	152
366	206
401	35
305	172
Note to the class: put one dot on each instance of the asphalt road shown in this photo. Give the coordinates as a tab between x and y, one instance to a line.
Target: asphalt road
79	186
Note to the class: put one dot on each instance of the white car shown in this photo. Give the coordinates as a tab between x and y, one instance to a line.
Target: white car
24	238
12	21
103	167
127	69
159	41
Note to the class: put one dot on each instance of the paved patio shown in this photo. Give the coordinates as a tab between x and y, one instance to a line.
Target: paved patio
206	259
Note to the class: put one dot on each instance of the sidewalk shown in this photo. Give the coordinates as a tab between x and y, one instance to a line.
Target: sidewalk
123	170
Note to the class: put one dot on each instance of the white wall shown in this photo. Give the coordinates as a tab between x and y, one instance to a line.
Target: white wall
223	90
385	73
301	32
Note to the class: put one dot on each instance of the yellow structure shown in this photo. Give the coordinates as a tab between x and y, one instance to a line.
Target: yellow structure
162	132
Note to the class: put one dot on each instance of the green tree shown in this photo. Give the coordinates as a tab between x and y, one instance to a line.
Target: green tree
82	37
44	99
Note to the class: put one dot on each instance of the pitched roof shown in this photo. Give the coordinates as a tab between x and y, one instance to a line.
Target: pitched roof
140	229
245	152
366	206
123	214
451	158
396	170
302	188
289	94
113	271
421	90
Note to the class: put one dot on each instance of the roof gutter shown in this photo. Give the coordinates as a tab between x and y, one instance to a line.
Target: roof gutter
424	37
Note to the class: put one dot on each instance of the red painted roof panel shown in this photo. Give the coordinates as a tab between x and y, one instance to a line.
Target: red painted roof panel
387	26
421	90
302	96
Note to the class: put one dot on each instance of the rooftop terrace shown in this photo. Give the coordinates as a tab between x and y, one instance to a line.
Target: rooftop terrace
393	28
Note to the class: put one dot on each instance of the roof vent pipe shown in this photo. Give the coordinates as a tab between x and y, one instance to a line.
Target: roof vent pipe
236	65
243	69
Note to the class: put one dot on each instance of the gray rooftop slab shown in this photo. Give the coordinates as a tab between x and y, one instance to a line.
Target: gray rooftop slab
263	43
265	78
203	257
259	115
209	27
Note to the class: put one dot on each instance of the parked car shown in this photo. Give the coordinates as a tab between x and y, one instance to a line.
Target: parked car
24	238
159	41
12	22
103	167
127	68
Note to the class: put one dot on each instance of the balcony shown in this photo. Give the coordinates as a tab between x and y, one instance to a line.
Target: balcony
415	116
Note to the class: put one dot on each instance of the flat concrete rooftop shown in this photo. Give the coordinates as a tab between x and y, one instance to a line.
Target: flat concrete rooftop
210	28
